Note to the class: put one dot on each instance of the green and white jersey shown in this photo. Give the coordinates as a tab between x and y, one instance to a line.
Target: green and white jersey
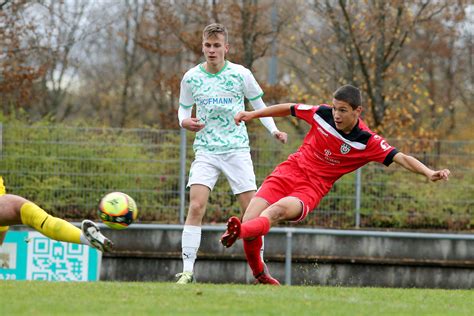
218	98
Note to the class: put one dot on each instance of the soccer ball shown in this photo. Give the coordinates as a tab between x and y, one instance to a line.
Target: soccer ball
117	210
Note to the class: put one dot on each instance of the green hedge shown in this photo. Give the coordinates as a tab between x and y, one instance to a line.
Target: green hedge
67	169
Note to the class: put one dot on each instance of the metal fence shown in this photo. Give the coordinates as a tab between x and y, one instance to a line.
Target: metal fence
67	169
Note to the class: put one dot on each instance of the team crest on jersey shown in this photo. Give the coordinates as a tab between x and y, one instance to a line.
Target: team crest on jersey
345	148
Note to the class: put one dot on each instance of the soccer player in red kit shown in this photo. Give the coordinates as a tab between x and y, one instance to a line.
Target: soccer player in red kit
337	143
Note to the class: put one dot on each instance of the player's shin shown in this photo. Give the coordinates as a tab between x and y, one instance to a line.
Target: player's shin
190	242
50	226
252	250
256	227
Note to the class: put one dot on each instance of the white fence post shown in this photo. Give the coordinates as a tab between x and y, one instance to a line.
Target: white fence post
358	197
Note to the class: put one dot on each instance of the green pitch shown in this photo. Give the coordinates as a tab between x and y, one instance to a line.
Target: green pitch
129	298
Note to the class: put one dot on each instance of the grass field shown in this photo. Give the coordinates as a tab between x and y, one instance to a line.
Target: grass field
128	298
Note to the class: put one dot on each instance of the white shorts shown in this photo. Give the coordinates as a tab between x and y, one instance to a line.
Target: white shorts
237	167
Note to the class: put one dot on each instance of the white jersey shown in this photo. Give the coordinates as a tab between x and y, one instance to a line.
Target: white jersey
218	98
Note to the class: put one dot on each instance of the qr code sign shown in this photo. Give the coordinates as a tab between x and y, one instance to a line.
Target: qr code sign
56	261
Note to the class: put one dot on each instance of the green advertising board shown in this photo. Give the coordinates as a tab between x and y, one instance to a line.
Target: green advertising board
27	255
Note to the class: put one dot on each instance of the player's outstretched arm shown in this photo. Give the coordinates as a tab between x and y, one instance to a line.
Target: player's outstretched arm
414	165
277	110
268	122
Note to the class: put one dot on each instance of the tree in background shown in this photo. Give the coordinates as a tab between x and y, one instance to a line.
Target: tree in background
119	63
170	45
172	38
370	44
255	26
59	30
114	71
18	72
443	49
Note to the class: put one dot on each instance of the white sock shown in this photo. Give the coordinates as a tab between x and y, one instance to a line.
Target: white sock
190	242
84	240
263	247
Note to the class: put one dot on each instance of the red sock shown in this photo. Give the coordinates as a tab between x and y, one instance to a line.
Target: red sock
252	252
255	227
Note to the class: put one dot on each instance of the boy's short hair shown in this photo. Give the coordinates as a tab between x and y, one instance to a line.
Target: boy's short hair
349	94
214	29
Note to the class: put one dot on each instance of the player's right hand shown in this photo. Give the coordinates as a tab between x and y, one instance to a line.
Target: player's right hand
192	124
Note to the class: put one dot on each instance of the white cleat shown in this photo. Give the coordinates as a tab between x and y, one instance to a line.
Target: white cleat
185	278
92	232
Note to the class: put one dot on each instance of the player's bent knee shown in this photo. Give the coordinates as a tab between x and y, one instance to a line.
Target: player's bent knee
285	209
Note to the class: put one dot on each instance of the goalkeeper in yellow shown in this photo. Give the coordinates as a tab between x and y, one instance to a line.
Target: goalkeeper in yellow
15	210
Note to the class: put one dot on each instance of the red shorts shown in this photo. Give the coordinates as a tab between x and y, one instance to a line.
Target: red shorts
289	180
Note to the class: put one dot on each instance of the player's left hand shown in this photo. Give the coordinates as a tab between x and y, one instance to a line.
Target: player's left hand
440	175
281	136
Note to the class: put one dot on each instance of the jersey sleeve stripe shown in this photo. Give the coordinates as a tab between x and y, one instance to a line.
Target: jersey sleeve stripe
257	97
185	106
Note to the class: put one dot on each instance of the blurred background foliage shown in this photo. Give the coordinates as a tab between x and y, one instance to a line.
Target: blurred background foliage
119	63
105	65
67	169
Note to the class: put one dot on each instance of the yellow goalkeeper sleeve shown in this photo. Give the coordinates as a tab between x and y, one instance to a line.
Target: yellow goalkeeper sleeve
50	226
2	192
2	187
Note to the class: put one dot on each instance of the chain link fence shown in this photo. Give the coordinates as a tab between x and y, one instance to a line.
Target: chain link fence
66	170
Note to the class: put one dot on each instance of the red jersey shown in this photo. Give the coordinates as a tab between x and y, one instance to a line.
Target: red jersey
328	154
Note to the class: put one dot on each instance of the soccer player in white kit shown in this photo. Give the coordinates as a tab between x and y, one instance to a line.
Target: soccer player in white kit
217	88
